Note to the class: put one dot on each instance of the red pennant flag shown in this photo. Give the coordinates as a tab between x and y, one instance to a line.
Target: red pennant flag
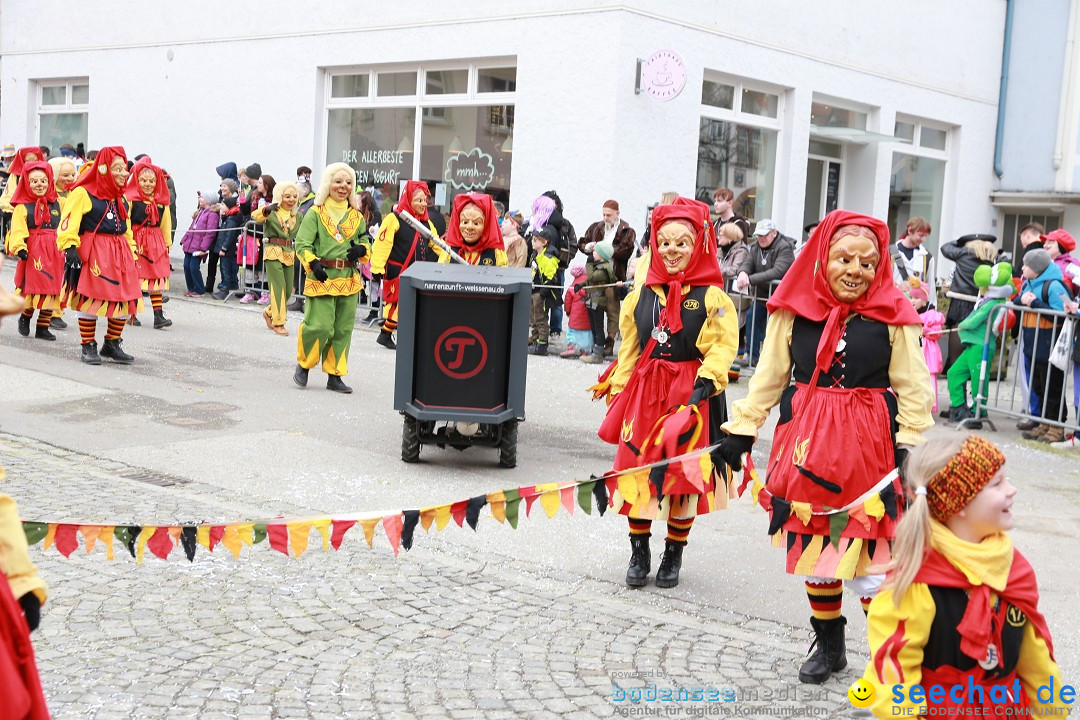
393	525
160	543
457	511
530	495
67	539
216	533
340	528
279	537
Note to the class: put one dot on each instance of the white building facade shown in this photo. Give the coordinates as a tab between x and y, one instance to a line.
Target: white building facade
884	108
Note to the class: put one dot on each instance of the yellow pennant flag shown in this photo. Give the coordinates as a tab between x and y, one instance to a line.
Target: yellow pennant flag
628	487
231	540
202	536
298	536
874	507
497	503
369	529
323	526
550	499
442	516
140	543
803	511
106	537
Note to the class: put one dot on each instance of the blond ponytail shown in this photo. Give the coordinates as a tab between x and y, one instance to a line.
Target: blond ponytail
912	539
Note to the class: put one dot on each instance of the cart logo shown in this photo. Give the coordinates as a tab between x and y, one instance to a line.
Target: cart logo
461	352
691	304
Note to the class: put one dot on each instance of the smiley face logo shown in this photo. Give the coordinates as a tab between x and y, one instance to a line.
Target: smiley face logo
861	693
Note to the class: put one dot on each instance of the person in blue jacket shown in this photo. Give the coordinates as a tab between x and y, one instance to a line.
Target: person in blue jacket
1043	289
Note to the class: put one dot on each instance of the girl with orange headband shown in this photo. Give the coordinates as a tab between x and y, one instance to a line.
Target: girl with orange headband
960	608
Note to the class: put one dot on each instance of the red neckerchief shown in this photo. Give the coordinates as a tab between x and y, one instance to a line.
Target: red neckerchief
703	268
491	239
882	301
161	190
23	194
404	203
98	180
1020	590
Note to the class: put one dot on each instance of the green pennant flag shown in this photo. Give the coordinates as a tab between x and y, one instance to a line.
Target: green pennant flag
35	532
837	523
513	500
584	496
122	533
259	532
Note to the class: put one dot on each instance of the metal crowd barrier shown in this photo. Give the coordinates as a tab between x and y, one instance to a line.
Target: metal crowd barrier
1016	399
747	305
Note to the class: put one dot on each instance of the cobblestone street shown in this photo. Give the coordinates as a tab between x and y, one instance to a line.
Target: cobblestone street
498	623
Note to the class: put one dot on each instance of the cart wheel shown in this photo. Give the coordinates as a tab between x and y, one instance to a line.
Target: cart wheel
410	440
508	444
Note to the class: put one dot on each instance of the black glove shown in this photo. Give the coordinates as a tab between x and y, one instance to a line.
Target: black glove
318	270
71	257
732	448
22	255
356	252
376	277
901	459
271	208
31	608
703	390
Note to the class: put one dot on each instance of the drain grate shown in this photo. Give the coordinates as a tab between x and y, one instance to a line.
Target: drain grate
150	478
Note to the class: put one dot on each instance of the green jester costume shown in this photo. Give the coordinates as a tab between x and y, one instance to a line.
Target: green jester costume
329	246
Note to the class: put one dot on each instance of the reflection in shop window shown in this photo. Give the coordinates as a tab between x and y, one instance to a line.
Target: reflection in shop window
377	143
827	115
738	157
347	86
717	94
446	82
468	153
496	80
918	184
392	84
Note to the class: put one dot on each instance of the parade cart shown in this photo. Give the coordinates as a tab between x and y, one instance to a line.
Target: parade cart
462	345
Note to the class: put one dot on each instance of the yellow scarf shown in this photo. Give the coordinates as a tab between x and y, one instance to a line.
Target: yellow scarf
987	562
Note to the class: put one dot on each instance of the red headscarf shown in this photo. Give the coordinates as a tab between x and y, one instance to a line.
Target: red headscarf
703	268
161	191
882	301
405	201
98	180
492	237
17	162
23	194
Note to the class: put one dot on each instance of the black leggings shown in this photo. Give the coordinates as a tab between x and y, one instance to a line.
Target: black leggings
596	324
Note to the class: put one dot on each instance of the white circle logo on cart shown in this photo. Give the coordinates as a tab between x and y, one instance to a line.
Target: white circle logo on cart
663	75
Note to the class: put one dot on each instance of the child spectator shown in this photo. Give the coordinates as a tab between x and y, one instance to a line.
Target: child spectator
961	604
1059	244
933	322
517	250
1043	289
579	339
197	242
225	246
545	265
601	299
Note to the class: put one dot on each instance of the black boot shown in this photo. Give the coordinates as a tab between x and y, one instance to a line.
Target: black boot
335	383
133	320
386	340
637	574
89	353
58	324
299	376
42	333
24	326
667	575
540	348
827	653
112	349
160	321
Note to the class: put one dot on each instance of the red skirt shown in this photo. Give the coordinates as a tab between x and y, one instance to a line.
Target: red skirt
43	270
389	290
655	388
21	697
109	284
837	447
153	260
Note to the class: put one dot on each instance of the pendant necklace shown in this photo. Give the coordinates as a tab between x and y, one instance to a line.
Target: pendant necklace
659	334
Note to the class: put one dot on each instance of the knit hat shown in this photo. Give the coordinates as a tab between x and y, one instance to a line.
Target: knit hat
253	171
577	270
966	473
605	249
231	184
1064	240
1038	261
210	195
8	152
612	205
917	290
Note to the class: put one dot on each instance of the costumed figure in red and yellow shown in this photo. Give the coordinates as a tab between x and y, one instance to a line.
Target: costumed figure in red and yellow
15	171
100	277
398	246
64	174
842	359
151	226
680	333
959	610
22	593
32	237
473	231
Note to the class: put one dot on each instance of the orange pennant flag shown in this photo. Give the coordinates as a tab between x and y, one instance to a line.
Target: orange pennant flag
232	542
90	535
50	537
368	527
106	536
298	536
427	516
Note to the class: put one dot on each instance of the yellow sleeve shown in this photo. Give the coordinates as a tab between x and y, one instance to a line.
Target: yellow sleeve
910	381
718	340
384	242
434	245
9	190
770	380
78	204
18	232
1035	668
166	226
896	653
14	554
630	349
129	234
444	259
500	258
260	214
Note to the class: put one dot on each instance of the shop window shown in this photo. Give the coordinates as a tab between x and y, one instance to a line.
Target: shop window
1013	222
392	84
496	80
828	114
446	82
350	86
718	94
918	186
739	157
63	112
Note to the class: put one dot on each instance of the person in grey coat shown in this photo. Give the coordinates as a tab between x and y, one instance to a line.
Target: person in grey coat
767	261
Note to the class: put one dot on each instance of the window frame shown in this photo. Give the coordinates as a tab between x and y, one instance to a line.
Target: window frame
67	108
